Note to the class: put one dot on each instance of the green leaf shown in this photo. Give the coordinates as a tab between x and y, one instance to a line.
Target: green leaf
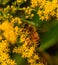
19	60
50	37
36	20
3	2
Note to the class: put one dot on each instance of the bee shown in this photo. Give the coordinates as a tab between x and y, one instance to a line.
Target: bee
25	25
32	32
28	27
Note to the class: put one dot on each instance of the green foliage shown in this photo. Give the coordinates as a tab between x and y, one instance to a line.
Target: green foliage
4	2
50	37
19	60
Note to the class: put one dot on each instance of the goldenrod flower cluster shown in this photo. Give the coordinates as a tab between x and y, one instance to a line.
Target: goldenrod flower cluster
28	12
8	35
25	38
11	33
46	9
21	35
4	56
28	40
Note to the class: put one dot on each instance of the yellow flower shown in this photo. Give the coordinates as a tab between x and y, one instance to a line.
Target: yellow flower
6	26
9	33
4	46
4	63
46	17
32	15
22	38
18	20
39	12
45	7
16	30
36	57
31	60
42	18
0	38
25	0
4	57
27	17
10	62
